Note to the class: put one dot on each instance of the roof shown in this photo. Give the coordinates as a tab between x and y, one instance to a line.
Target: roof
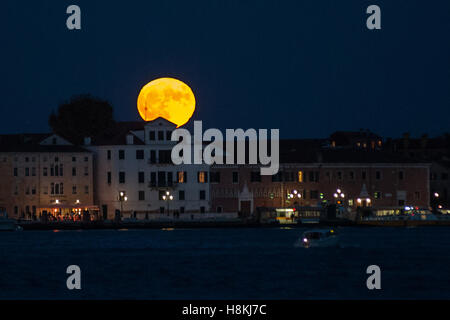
25	142
118	135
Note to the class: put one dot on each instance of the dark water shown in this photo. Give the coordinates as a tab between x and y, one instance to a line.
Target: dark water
224	264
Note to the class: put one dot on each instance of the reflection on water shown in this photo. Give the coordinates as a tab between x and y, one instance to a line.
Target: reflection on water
224	264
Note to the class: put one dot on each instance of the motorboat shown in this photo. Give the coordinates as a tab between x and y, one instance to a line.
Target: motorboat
320	238
7	224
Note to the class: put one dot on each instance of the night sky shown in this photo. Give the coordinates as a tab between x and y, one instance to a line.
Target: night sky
306	67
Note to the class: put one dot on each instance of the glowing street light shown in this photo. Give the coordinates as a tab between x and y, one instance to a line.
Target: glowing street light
122	198
167	197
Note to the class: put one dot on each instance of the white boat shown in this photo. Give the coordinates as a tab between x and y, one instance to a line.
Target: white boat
7	224
320	238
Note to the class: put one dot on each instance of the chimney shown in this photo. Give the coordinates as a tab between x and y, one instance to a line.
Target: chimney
87	141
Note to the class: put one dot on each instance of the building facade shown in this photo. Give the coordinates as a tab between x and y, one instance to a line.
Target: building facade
310	177
134	173
44	173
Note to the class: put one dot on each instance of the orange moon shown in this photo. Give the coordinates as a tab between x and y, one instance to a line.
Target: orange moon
168	98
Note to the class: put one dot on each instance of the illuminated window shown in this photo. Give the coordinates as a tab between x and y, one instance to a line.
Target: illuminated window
300	176
202	177
181	176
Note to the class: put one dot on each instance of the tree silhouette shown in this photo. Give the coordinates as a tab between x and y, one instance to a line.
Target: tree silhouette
82	116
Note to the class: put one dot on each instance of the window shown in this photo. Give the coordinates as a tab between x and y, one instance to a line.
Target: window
141	177
168	135
141	195
181	209
378	175
161	178
33	190
52	188
61	188
417	195
219	209
351	175
15	172
86	189
74	171
153	179
181	195
33	171
363	175
377	195
300	176
45	190
202	195
235	177
160	135
165	156
74	189
108	154
181	176
339	175
162	193
27	159
214	177
169	179
74	159
202	177
109	177
255	176
121	177
152	156
278	177
27	172
139	154
314	176
400	175
121	154
61	173
86	171
151	136
86	159
202	209
161	209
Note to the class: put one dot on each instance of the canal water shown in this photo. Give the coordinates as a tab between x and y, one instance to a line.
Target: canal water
224	264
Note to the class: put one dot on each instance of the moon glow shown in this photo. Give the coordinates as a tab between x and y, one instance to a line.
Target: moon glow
167	98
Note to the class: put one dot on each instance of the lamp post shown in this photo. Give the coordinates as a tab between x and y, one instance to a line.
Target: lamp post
167	197
338	195
122	199
436	201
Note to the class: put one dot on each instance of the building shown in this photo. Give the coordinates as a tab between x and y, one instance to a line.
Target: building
44	172
311	174
134	173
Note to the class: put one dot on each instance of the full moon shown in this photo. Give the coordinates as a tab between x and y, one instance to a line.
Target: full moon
167	98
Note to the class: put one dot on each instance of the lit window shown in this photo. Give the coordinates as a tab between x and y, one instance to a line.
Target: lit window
300	176
201	177
181	178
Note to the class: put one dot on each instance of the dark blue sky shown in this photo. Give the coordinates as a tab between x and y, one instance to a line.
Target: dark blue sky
306	67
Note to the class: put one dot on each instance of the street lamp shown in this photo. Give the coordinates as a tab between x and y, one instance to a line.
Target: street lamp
338	195
167	197
122	199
